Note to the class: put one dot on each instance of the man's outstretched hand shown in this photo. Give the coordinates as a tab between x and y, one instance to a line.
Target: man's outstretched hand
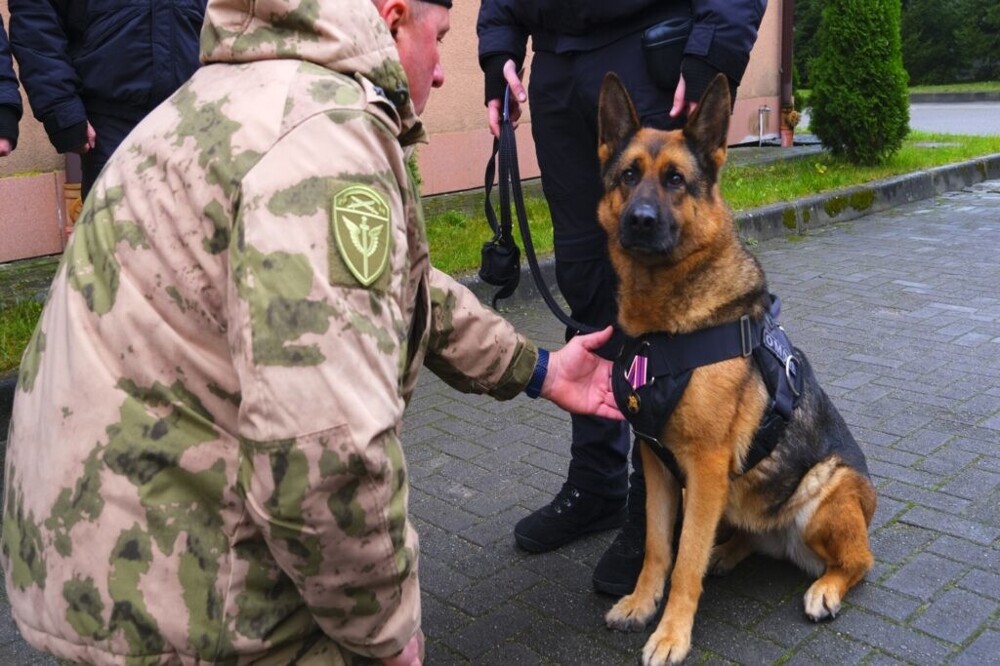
579	380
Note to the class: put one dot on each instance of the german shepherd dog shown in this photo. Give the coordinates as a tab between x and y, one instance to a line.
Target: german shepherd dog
683	269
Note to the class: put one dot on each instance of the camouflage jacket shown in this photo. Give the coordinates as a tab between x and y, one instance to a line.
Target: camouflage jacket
204	460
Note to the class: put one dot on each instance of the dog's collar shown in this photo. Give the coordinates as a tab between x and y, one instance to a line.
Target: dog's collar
652	371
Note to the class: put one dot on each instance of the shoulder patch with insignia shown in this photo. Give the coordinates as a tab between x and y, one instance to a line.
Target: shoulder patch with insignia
360	218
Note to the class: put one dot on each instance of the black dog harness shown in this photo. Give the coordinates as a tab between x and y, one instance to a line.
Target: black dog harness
652	371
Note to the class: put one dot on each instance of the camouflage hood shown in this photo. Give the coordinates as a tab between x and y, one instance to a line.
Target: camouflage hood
346	36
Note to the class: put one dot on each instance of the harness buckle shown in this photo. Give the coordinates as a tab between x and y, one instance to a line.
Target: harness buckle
746	336
647	438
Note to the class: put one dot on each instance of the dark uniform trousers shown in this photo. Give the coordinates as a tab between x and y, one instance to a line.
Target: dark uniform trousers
564	90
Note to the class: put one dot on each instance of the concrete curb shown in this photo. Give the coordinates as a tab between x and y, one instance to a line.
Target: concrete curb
790	218
802	215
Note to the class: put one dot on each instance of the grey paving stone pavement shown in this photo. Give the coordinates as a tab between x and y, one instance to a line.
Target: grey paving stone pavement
900	314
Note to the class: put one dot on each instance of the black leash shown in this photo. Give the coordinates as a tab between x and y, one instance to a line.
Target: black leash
500	256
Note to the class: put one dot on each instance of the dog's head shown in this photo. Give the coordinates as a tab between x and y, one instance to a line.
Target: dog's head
661	201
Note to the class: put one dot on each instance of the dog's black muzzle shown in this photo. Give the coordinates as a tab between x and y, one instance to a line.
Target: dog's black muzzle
645	228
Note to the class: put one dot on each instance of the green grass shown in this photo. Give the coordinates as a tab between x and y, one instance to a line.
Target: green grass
456	239
978	86
802	95
752	186
17	322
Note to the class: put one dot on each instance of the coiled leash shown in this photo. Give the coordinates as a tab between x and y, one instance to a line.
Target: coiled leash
500	256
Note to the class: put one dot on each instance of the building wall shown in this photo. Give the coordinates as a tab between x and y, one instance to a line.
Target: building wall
32	206
761	85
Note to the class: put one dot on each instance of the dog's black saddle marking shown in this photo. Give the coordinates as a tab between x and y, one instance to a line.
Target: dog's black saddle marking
652	371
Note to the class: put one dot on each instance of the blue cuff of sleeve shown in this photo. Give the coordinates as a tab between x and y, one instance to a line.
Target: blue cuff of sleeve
534	388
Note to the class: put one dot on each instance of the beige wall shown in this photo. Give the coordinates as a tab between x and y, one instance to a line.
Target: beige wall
31	180
460	144
761	83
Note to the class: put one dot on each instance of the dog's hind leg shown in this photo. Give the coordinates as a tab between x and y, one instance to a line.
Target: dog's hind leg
838	534
704	502
729	553
633	611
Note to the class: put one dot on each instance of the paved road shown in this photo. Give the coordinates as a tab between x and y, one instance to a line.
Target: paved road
977	118
900	314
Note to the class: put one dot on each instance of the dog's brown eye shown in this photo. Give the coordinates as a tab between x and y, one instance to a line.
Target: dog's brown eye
674	179
630	176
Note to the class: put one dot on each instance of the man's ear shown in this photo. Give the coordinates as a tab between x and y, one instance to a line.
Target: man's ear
394	12
708	127
617	119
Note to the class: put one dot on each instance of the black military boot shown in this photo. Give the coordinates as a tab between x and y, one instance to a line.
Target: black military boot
618	569
570	515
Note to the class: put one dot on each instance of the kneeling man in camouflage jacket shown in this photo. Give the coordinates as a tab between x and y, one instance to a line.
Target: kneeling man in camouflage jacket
204	460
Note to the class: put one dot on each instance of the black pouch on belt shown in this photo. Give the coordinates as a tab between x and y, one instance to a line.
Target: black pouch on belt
663	48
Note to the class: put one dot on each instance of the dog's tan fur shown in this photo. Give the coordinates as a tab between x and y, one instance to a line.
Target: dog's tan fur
696	273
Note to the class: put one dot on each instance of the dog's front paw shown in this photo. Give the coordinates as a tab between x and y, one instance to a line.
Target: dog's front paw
666	647
631	613
822	600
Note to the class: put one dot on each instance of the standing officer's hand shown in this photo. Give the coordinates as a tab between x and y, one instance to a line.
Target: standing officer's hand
494	108
91	141
681	105
5	147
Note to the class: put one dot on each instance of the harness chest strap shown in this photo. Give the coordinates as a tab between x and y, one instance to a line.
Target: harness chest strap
652	372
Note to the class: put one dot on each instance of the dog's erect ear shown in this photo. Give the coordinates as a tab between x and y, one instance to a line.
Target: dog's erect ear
617	120
708	127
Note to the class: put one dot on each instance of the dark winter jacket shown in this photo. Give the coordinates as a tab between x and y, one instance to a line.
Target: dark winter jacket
723	34
117	58
10	97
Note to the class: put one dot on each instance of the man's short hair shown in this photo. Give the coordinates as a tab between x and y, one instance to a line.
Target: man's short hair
417	4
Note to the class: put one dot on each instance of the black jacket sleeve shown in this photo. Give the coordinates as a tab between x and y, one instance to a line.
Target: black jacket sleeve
38	39
502	36
723	35
10	96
